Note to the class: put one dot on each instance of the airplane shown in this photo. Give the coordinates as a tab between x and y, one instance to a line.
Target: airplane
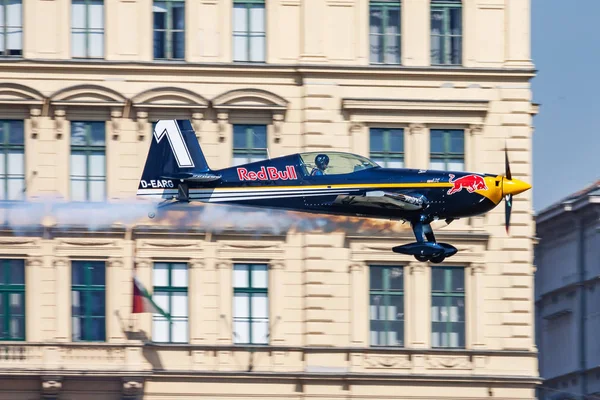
325	182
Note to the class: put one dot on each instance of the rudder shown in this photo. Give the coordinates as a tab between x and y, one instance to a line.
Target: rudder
174	156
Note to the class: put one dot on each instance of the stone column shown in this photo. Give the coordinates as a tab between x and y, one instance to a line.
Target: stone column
276	302
420	308
225	298
195	295
62	295
114	294
476	318
359	316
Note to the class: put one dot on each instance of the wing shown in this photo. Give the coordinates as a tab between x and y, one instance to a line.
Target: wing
381	199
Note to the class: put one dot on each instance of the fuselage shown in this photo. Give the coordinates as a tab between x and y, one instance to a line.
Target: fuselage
286	183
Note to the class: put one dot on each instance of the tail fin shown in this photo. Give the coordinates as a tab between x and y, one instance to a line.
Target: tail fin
175	157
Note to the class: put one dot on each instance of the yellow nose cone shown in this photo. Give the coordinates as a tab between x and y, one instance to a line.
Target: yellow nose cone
514	186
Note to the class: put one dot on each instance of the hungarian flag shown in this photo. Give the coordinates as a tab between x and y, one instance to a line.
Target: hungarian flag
142	300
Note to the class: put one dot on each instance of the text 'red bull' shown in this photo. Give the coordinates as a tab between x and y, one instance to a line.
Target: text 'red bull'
469	182
268	173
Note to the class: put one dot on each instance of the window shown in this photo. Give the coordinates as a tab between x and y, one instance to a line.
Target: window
171	294
384	34
88	161
250	306
11	27
448	307
387	147
12	300
12	160
169	30
447	150
88	295
386	293
87	28
249	30
249	143
446	32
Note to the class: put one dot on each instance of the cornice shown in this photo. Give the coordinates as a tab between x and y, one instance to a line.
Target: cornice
181	66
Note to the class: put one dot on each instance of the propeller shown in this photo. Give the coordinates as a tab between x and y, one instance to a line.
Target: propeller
507	197
510	187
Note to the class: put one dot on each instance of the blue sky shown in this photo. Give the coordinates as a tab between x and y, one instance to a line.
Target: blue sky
566	142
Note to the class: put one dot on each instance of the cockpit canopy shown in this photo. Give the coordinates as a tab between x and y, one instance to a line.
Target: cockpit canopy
339	163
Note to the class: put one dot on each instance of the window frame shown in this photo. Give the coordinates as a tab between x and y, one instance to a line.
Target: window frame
87	31
5	149
447	156
386	154
6	289
88	150
387	294
446	48
4	28
250	151
169	290
88	288
250	290
168	32
247	58
448	294
384	6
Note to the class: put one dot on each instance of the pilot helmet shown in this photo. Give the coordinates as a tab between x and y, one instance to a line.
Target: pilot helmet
322	161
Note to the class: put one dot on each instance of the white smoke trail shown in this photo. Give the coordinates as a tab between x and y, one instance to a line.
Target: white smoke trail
93	216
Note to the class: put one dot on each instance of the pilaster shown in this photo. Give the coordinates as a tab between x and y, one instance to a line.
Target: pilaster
276	301
225	333
420	305
33	301
360	304
195	293
417	154
477	320
114	296
63	298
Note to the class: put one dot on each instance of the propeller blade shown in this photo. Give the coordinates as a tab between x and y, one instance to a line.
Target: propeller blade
507	210
506	164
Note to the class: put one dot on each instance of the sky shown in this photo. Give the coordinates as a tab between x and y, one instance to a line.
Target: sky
565	49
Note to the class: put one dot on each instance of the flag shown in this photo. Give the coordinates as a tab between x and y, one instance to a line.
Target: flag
142	300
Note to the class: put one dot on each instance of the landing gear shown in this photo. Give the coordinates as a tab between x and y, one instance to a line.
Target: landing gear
426	248
183	196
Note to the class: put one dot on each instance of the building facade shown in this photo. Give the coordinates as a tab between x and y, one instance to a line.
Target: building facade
264	304
566	295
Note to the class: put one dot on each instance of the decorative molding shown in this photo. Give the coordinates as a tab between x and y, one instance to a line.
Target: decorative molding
356	127
51	386
17	242
34	261
141	262
197	118
87	243
116	115
222	121
13	93
278	119
35	113
196	264
417	267
415	129
357	266
142	123
251	251
249	99
115	262
277	264
87	95
422	105
132	388
61	261
224	264
448	362
391	362
476	129
169	97
59	121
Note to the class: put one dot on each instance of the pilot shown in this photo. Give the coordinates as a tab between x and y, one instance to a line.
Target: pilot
321	161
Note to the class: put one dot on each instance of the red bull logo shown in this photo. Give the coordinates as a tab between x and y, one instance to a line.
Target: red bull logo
469	182
268	173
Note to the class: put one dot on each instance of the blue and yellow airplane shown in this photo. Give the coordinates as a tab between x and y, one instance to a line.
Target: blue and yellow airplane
325	182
